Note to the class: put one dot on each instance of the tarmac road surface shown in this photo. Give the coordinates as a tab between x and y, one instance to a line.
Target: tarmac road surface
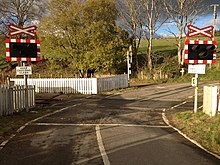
120	129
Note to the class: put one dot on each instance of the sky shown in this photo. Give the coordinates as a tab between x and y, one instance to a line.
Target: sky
202	21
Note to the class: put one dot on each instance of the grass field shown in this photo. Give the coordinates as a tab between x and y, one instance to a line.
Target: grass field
169	44
167	47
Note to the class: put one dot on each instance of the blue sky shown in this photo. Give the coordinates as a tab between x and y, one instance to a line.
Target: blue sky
202	21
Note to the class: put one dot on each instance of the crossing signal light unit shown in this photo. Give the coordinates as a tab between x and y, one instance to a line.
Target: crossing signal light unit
200	52
22	50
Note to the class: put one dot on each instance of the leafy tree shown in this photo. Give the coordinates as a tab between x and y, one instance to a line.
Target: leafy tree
82	35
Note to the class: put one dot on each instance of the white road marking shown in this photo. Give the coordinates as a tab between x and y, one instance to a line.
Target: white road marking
101	146
178	105
160	87
2	145
85	160
114	125
6	141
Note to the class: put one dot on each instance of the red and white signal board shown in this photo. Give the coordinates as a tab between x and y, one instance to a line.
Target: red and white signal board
200	51
22	50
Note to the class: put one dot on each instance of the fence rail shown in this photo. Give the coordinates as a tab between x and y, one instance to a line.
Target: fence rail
76	85
12	99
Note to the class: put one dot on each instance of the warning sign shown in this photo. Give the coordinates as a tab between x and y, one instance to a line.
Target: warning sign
23	70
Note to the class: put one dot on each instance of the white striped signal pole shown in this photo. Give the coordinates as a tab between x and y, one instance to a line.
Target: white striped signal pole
196	93
26	90
129	61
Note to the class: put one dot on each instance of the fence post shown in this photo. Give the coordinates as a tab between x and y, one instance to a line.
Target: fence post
94	86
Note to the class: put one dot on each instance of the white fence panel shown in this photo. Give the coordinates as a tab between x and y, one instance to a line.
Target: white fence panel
5	101
12	99
63	85
114	82
76	85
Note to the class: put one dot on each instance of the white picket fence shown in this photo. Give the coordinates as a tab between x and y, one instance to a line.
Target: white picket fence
12	99
111	83
76	85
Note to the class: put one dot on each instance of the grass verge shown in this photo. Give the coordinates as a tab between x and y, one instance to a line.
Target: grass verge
200	127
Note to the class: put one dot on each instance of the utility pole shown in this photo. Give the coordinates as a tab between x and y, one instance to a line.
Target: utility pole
215	17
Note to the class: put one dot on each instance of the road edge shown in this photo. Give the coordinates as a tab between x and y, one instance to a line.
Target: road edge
165	119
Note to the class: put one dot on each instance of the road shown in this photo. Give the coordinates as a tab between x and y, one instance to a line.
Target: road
121	129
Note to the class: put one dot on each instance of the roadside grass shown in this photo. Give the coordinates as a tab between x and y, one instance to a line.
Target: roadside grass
212	72
200	127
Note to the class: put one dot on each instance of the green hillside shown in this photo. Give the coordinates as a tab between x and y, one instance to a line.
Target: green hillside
165	60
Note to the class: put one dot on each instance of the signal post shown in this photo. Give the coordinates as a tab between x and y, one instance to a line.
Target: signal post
23	50
129	62
198	53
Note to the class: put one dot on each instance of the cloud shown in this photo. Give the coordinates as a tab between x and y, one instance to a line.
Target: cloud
164	35
207	20
169	24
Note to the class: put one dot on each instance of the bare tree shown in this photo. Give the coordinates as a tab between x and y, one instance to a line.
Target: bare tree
182	13
20	12
142	17
130	15
153	19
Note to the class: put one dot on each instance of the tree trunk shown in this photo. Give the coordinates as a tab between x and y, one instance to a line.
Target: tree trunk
179	49
149	53
134	51
180	38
